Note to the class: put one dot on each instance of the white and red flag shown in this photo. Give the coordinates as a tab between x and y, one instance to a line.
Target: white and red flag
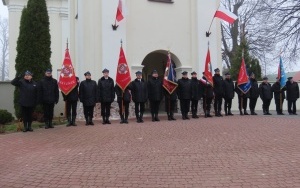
119	15
225	15
67	79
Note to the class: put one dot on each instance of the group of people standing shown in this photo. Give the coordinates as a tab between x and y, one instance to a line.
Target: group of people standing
189	92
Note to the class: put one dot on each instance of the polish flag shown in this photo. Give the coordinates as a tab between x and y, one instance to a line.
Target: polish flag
225	15
119	15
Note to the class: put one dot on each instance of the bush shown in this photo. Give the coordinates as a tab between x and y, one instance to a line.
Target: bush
5	117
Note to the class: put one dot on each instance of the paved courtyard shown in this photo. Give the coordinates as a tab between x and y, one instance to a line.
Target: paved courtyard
249	151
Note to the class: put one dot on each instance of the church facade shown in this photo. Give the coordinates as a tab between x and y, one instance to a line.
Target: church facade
149	30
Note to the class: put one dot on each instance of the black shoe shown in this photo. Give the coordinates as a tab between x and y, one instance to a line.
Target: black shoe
50	124
253	113
241	113
125	121
295	114
246	113
156	118
122	120
25	127
183	117
73	121
208	115
187	117
103	121
91	123
173	118
29	128
107	121
268	113
230	114
69	122
46	125
86	122
169	118
220	115
141	120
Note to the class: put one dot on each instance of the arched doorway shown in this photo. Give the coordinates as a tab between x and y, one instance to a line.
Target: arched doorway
157	60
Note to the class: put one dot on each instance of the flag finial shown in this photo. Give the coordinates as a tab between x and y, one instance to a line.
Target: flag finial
121	41
67	43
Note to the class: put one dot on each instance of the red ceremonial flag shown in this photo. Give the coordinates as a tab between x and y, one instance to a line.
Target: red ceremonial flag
243	77
225	15
123	75
67	78
169	82
119	15
208	69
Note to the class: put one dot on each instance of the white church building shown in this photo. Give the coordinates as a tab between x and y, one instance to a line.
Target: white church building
149	29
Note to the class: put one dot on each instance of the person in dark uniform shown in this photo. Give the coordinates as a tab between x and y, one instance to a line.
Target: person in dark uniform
106	94
155	93
49	95
28	98
208	95
170	103
196	94
276	89
228	88
88	97
242	99
123	99
292	94
184	94
71	104
218	91
254	94
139	94
266	95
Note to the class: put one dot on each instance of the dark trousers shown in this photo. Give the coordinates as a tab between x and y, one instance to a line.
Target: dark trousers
154	105
139	108
105	109
123	108
71	108
277	103
207	103
170	106
266	105
194	106
88	111
292	106
252	104
244	105
48	111
227	105
218	104
185	106
27	114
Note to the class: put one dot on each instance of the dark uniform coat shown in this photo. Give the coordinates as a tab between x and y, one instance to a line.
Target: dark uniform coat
197	91
48	90
106	90
88	92
276	90
184	89
126	95
28	91
207	90
292	91
139	91
240	93
155	89
228	89
218	85
73	95
254	91
265	91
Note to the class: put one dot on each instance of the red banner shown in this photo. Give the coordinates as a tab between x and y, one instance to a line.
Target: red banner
123	75
208	69
67	78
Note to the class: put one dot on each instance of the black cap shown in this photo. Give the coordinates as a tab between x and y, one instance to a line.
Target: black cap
154	71
184	73
289	78
227	73
105	70
193	73
28	73
217	70
138	72
87	73
252	74
203	72
265	78
49	70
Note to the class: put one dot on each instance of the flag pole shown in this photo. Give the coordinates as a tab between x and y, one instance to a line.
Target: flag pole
67	45
208	32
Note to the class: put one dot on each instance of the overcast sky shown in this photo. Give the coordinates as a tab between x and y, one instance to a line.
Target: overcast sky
3	10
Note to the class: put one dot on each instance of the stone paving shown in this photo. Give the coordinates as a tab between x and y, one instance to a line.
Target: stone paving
239	151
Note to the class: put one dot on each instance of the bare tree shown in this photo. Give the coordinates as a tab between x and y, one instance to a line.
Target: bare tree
4	48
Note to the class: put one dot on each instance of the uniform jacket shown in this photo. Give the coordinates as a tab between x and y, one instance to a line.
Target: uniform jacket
207	90
173	96
254	91
265	91
197	91
48	90
139	91
276	90
155	89
106	90
28	91
88	92
126	95
240	93
184	89
292	91
228	88
218	85
73	95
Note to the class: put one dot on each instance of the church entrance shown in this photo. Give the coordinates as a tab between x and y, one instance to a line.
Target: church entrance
157	60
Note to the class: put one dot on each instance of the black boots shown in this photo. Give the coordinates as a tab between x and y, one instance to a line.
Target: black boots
185	116
103	120
46	124
86	121
29	127
107	120
25	127
122	119
126	119
50	124
194	115
153	117
73	121
89	120
139	118
69	121
253	112
156	117
245	112
207	114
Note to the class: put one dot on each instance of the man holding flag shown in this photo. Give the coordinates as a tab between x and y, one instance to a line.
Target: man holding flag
278	88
